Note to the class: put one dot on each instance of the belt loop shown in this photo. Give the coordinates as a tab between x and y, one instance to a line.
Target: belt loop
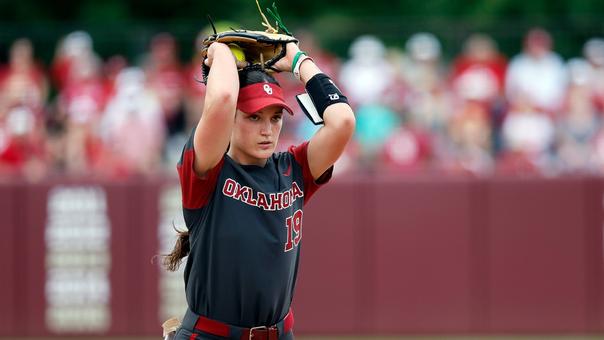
236	332
282	324
263	328
280	328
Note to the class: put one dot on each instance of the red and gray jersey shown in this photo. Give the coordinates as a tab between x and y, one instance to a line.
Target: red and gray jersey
245	226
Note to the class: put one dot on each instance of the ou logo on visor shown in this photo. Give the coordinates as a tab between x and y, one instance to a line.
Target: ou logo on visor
268	89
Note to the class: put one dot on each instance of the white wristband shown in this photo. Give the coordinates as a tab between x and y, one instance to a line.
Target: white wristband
296	69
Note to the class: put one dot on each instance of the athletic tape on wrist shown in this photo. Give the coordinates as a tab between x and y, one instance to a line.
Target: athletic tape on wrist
324	92
296	69
296	57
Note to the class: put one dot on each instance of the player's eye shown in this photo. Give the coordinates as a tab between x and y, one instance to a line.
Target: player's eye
277	118
253	117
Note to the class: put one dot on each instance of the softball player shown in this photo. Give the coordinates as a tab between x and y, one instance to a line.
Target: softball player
243	203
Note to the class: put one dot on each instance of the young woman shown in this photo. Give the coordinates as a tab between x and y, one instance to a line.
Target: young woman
243	203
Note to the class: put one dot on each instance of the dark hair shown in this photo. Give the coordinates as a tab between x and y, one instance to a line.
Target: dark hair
253	75
181	249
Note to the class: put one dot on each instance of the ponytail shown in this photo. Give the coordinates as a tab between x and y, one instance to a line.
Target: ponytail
181	249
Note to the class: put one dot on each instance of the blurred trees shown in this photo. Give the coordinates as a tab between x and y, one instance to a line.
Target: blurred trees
126	26
92	10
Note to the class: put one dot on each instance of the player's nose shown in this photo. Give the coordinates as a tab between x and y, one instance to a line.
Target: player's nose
266	128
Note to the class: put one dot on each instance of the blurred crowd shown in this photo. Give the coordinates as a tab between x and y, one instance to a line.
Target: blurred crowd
480	113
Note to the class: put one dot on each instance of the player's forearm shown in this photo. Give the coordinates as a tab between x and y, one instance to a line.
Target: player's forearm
308	69
338	117
214	128
328	144
223	81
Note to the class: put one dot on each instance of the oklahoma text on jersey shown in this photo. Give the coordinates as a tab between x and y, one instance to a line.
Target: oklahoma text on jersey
272	201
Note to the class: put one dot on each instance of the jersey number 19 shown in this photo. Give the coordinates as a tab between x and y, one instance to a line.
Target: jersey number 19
294	230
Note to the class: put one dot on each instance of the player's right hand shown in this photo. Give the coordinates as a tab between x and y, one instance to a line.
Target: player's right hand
285	64
221	46
212	52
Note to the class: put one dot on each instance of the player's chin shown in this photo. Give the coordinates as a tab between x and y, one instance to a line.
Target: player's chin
265	150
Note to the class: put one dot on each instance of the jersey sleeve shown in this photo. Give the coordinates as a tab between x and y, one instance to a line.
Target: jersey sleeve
300	153
196	190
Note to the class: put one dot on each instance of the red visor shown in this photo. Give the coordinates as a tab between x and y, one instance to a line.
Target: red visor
256	97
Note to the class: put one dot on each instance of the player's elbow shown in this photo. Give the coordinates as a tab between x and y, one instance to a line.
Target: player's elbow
349	122
226	98
220	102
345	123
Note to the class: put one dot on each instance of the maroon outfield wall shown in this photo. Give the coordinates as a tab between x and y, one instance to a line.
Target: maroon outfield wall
380	255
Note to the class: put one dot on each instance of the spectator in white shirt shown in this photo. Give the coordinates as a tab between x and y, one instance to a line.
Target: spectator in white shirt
537	75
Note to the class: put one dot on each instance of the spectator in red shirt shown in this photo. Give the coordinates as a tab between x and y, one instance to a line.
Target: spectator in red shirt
479	72
477	80
21	144
22	81
80	107
75	46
